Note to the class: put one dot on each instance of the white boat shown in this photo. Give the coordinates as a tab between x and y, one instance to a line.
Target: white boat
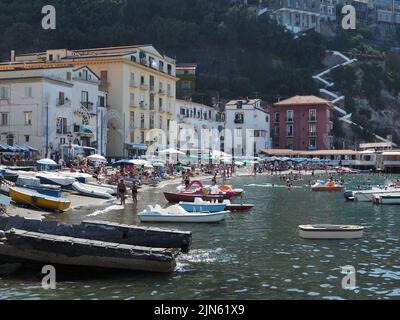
390	198
178	214
199	205
56	179
330	231
368	195
78	176
92	191
328	186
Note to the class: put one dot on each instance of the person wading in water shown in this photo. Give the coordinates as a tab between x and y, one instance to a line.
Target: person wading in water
134	193
122	191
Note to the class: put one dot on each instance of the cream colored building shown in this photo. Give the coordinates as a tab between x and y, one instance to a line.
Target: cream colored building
140	83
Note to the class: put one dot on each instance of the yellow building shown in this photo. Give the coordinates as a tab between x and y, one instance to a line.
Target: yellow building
140	83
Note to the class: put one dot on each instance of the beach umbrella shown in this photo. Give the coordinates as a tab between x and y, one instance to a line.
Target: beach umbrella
96	157
47	162
123	163
239	163
149	166
171	151
158	164
138	162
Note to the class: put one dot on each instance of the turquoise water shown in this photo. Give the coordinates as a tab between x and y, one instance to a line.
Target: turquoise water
256	255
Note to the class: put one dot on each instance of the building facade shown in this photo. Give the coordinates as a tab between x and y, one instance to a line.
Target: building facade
247	128
198	126
140	84
50	108
301	123
186	86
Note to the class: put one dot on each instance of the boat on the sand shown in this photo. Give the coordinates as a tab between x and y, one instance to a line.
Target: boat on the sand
56	179
37	200
178	214
92	191
330	231
34	184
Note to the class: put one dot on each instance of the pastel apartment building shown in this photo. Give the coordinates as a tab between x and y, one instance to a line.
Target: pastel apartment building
50	108
140	84
301	123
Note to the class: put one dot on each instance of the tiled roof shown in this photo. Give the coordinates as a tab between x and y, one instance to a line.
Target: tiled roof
302	100
245	102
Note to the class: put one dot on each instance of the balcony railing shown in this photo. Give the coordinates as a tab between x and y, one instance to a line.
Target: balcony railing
312	119
63	103
289	120
144	86
88	105
152	88
312	134
161	92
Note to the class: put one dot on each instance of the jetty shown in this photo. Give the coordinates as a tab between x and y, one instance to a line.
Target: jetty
91	244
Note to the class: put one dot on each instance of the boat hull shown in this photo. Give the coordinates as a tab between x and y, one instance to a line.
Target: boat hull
192	207
181	197
330	234
190	218
327	189
39	201
239	207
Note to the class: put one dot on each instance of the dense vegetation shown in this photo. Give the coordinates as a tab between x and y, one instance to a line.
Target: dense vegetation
239	54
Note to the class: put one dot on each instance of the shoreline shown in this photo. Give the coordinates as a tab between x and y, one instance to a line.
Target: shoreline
79	202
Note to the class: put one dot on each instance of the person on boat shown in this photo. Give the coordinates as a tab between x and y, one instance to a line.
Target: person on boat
134	192
122	191
187	180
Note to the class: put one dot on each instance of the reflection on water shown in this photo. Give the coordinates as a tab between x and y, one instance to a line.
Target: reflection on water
255	255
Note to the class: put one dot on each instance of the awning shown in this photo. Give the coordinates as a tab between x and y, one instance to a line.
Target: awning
31	148
137	146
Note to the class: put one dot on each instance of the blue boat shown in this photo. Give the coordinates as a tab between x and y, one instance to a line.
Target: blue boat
52	191
203	206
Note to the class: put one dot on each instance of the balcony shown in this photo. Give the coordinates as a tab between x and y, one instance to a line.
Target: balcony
239	121
289	120
161	92
312	134
133	84
144	86
87	105
312	119
152	88
63	103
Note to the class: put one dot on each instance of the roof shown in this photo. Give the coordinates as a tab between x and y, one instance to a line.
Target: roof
245	102
372	145
302	100
391	153
186	65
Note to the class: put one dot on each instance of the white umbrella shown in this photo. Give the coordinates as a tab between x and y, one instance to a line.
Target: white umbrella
239	163
96	157
138	162
171	151
47	162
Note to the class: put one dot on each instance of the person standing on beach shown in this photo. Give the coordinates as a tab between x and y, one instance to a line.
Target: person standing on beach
134	193
122	191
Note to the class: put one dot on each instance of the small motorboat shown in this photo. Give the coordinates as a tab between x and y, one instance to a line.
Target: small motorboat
391	198
330	231
178	214
37	200
56	179
190	197
329	186
199	205
34	184
92	191
78	176
370	195
239	207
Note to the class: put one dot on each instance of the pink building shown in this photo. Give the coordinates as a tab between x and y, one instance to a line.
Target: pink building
301	123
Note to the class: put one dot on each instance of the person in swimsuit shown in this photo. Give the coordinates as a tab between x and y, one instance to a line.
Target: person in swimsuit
134	193
122	191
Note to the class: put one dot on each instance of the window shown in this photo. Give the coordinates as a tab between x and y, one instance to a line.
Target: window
132	80
132	119
312	130
160	123
84	97
151	101
151	121
4	93
141	137
27	138
312	143
132	99
28	118
186	84
10	139
239	118
183	111
169	69
289	116
160	103
28	92
289	130
142	121
85	75
102	101
142	81
267	119
4	119
161	66
152	83
133	58
276	117
239	132
62	126
69	76
312	115
169	89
